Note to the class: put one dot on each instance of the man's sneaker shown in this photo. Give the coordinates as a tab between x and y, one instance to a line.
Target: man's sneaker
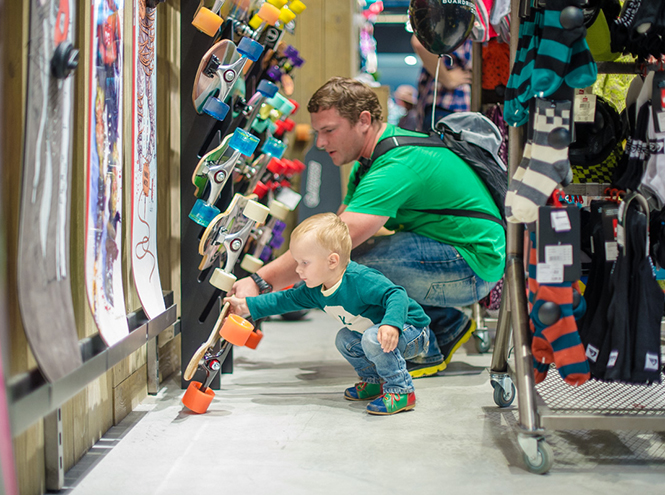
392	403
419	370
364	391
449	349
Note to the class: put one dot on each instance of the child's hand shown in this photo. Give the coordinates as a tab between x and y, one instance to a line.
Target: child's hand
238	305
388	336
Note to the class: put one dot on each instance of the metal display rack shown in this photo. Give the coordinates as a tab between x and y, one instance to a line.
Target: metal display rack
553	404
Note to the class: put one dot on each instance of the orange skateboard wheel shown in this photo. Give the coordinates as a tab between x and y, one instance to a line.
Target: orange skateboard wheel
195	400
207	21
236	330
254	339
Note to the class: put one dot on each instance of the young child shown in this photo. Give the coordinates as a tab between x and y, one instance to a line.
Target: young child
382	325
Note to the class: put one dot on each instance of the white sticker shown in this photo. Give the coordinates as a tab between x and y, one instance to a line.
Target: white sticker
613	358
651	362
289	198
585	108
591	353
560	221
561	254
661	119
620	235
611	251
549	274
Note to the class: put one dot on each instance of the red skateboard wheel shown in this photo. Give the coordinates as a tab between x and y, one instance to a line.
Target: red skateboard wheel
195	400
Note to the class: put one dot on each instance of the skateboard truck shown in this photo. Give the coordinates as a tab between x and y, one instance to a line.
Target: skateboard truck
243	143
64	61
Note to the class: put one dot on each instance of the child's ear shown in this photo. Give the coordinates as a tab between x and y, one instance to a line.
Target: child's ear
333	260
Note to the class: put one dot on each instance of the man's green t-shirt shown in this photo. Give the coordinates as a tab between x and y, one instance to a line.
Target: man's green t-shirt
414	178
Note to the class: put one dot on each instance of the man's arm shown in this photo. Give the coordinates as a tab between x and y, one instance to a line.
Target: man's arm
450	78
362	226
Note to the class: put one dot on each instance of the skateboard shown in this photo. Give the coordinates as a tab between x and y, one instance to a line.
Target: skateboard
231	330
144	174
44	284
213	171
218	72
103	239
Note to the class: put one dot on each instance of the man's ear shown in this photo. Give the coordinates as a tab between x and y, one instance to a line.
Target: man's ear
365	118
333	260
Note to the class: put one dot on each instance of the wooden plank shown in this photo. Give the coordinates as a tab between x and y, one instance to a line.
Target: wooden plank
129	365
29	452
169	358
80	435
339	40
100	406
129	394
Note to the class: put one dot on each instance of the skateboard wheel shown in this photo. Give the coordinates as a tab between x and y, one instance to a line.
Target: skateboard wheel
236	330
222	280
206	21
195	400
279	210
279	227
203	213
273	147
277	241
254	339
216	108
256	211
243	141
250	48
278	3
303	132
260	190
251	263
266	88
64	61
269	13
297	6
286	15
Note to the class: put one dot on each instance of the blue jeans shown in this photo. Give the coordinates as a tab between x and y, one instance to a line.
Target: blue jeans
373	365
434	274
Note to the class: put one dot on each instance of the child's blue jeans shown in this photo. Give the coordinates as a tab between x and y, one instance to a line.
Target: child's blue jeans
364	352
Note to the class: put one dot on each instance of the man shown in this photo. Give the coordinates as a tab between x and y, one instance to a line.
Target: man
443	261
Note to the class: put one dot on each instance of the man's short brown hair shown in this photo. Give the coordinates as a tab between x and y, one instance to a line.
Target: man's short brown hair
348	96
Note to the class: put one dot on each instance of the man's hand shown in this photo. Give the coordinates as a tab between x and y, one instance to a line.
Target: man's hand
454	77
388	336
245	287
238	305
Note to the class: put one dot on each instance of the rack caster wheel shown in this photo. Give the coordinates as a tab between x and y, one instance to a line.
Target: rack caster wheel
502	397
483	341
195	400
543	460
236	330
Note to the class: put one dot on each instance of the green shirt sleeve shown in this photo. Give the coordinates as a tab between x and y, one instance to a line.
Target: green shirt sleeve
280	302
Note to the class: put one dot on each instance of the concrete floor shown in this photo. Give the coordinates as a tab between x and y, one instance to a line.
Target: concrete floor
280	425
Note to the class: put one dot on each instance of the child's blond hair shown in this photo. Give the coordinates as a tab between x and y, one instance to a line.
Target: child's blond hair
329	231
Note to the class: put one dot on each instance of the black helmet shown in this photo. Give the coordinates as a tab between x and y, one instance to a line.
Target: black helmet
442	25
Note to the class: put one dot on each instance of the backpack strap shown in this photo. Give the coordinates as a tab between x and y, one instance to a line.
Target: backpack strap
428	141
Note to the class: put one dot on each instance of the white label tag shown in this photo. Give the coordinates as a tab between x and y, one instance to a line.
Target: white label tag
559	255
289	198
549	273
585	107
560	221
620	235
611	251
661	119
651	362
591	353
613	358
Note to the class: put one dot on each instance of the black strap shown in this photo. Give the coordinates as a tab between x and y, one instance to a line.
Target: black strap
428	141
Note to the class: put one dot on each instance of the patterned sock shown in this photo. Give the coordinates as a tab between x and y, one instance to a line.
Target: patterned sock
582	69
515	182
539	346
549	159
553	320
560	31
516	111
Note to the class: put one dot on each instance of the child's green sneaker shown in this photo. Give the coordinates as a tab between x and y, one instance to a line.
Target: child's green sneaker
364	391
392	403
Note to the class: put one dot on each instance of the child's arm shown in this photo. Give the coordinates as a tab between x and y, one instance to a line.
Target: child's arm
388	336
238	305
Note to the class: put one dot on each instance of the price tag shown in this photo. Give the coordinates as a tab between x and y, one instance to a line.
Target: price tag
611	251
559	255
289	198
560	221
547	273
585	107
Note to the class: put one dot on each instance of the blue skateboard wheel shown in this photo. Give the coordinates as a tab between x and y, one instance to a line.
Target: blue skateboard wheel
216	108
202	213
266	88
277	241
273	147
250	48
278	227
243	141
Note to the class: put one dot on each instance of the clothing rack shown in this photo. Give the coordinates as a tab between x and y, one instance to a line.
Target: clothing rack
553	404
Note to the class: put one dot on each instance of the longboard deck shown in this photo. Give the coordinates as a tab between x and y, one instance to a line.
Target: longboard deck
144	175
103	239
44	285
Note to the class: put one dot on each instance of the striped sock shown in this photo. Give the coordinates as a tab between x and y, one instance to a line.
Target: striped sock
553	320
515	182
555	47
539	346
582	69
516	108
549	163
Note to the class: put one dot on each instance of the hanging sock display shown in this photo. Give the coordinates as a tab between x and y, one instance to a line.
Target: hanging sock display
549	165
